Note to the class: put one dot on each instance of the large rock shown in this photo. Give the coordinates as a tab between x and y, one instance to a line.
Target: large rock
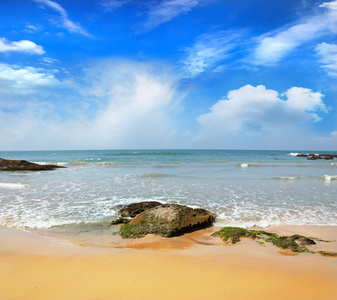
167	220
134	209
23	165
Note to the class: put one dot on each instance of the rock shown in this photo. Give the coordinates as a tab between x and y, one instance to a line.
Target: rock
23	165
328	253
313	156
296	242
134	209
167	220
120	220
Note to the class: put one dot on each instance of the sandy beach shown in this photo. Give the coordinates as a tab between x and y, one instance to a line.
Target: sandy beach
193	266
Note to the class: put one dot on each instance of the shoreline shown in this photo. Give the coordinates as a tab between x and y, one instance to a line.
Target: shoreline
192	266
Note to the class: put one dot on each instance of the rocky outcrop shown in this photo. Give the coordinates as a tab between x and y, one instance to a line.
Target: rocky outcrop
167	220
23	165
133	209
313	156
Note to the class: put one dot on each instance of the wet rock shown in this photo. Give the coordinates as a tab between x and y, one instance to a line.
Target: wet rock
167	220
120	220
23	165
313	156
296	243
134	209
327	253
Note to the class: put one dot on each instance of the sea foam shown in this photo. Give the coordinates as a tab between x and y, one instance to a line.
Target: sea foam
329	178
13	185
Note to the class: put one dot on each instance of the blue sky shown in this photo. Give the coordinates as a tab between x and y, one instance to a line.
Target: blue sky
203	74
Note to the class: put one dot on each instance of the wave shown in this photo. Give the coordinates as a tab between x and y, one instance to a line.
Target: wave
50	163
145	153
79	163
329	178
293	154
106	163
13	185
154	175
243	165
287	178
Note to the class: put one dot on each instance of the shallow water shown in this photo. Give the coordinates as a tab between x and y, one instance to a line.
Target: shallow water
244	188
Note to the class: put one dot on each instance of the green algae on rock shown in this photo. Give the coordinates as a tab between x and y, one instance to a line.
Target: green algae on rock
327	253
167	220
134	209
120	220
296	243
233	234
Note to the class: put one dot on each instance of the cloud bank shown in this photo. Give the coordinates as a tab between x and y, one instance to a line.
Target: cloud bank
258	114
121	104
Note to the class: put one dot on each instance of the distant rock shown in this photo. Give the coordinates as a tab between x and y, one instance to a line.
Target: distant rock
23	165
167	220
133	209
313	156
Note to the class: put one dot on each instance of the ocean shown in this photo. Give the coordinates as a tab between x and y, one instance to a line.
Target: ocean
243	188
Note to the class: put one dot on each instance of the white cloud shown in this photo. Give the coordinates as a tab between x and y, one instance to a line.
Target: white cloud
63	20
15	79
123	104
328	55
20	46
208	50
272	47
167	10
139	100
256	116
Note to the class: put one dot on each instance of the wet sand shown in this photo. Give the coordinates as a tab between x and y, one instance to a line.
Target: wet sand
193	266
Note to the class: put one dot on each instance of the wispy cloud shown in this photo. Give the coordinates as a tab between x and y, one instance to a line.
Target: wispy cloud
274	46
20	46
63	19
328	57
167	10
30	28
208	50
113	4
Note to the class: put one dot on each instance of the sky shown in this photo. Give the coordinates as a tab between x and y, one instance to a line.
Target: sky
168	74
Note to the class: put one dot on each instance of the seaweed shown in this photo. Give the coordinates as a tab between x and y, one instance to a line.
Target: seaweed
296	243
327	253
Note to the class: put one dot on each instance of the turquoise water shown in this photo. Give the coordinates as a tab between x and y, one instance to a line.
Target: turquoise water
244	188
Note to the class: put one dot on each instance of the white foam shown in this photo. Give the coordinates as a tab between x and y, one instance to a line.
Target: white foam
288	178
13	185
329	178
293	154
244	165
106	163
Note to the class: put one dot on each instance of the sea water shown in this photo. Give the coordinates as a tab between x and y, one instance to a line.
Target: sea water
243	188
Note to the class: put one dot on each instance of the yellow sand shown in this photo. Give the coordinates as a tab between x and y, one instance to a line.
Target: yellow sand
194	266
